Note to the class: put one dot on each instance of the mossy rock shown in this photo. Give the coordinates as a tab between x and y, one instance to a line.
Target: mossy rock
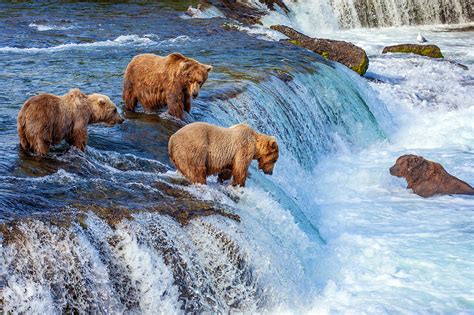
431	51
348	54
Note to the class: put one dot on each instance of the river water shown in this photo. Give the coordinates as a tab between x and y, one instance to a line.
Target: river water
331	231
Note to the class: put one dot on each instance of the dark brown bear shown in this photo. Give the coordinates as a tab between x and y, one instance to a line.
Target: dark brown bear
157	81
427	178
47	119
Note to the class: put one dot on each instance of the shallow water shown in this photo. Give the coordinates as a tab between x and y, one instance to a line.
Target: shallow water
330	231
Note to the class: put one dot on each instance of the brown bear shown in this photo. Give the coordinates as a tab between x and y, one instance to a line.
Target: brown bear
47	119
427	178
157	81
200	149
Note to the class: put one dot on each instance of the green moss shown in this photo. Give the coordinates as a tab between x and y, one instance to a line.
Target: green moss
325	54
432	51
362	67
295	42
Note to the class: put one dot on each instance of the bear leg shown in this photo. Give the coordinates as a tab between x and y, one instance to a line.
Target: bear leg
131	103
79	138
195	175
240	169
24	144
198	175
41	147
128	95
187	104
224	175
174	100
239	178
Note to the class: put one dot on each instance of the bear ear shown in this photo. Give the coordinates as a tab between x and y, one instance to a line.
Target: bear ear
75	91
186	65
272	143
101	101
415	162
209	68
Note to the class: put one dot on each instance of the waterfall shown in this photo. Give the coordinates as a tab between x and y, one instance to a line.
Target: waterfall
380	13
312	114
316	16
144	261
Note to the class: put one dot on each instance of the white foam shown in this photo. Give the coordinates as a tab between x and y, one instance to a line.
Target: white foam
149	273
389	250
123	40
307	16
48	27
176	40
207	13
275	243
260	32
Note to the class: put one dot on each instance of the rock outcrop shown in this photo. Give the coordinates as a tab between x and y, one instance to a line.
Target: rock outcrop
243	11
346	53
431	51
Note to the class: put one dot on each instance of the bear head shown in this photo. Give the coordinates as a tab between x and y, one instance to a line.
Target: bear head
195	75
266	153
406	165
104	110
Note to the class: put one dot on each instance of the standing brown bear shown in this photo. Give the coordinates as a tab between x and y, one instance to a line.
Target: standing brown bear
47	119
157	81
200	149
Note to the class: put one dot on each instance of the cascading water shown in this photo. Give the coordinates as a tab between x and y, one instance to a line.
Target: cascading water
311	114
322	16
212	264
380	13
330	231
84	232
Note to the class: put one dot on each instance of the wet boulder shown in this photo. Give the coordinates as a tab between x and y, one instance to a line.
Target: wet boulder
431	51
346	53
245	12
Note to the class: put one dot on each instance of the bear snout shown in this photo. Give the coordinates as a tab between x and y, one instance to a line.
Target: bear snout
115	120
195	94
395	171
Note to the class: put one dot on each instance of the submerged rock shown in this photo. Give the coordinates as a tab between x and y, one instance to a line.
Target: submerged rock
284	76
346	53
431	51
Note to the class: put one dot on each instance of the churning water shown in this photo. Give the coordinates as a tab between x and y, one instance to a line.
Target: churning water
313	15
330	232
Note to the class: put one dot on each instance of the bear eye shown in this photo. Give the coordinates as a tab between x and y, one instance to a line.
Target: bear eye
115	110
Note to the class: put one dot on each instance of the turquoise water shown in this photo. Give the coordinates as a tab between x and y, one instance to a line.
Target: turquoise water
330	232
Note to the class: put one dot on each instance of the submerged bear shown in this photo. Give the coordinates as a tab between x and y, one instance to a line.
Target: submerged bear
200	149
157	81
427	178
47	119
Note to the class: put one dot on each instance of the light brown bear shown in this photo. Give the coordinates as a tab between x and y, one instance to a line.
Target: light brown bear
47	119
157	81
427	178
200	149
